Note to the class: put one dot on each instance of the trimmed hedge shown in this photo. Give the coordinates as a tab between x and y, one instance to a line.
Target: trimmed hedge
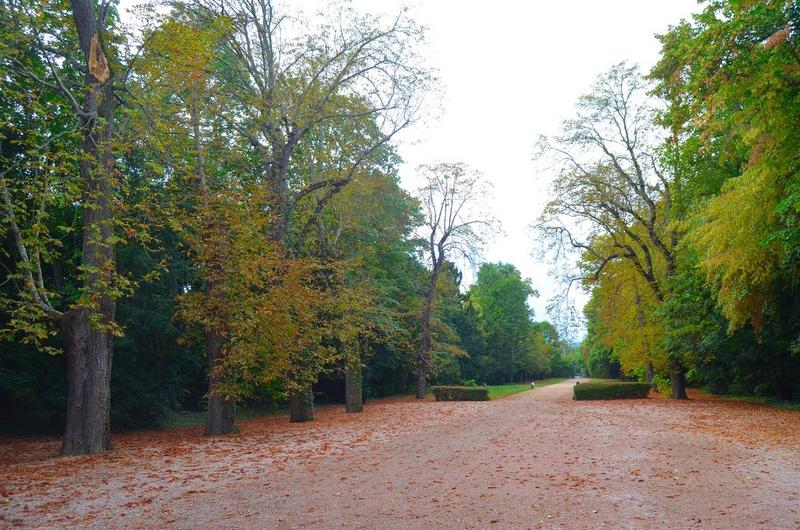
610	390
460	393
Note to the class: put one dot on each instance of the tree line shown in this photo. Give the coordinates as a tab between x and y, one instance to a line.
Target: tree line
206	211
678	196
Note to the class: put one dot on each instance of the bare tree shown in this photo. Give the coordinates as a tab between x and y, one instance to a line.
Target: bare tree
451	201
611	200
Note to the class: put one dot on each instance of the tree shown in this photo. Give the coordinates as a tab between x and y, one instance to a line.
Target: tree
500	297
59	51
730	79
186	142
353	70
455	228
612	199
368	230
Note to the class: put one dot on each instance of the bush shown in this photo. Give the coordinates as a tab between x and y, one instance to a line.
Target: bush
460	393
663	385
470	382
610	390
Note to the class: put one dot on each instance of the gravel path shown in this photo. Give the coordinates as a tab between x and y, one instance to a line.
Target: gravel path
558	391
533	460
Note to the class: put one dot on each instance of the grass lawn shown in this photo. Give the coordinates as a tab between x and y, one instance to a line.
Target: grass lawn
545	382
178	419
501	391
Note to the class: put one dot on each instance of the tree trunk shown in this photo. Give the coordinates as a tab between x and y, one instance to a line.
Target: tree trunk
422	376
424	359
87	335
649	375
301	405
221	417
353	386
677	379
87	329
89	353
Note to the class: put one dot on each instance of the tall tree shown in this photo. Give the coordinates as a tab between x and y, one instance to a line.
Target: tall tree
190	148
292	77
612	199
59	51
451	200
730	78
366	229
500	297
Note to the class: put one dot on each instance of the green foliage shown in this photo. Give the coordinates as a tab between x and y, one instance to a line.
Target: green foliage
501	391
32	389
601	362
498	332
730	78
460	393
610	390
598	357
155	371
662	385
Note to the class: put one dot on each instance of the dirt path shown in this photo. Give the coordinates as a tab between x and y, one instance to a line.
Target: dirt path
556	392
521	462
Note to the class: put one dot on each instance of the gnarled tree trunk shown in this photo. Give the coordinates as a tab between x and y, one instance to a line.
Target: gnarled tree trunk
301	405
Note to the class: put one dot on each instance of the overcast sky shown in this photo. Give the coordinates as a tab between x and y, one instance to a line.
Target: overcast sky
512	70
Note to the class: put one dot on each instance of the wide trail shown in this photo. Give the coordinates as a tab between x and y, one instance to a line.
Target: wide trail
533	460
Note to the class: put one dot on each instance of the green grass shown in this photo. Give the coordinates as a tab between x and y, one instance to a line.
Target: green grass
501	391
547	382
178	419
772	402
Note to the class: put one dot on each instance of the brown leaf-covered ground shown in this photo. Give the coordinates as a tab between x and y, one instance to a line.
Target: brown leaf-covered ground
534	460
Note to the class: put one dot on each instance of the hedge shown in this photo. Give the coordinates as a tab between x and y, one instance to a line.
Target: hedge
610	390
460	393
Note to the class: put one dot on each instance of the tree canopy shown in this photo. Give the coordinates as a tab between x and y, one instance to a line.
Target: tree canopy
682	224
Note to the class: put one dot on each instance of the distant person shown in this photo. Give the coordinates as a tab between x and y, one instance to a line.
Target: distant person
533	384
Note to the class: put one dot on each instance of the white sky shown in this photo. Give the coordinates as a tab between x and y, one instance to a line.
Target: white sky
511	70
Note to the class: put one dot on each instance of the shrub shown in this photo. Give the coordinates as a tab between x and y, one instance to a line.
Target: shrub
460	393
610	390
470	382
663	385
